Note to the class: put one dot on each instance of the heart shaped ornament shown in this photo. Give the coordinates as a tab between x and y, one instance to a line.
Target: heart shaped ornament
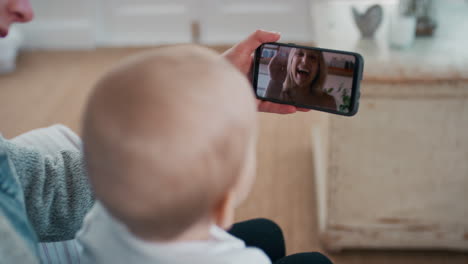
369	21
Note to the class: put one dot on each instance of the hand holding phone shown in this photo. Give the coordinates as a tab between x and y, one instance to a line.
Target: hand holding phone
307	77
277	65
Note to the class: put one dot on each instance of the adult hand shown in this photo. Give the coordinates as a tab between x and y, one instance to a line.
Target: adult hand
277	66
241	56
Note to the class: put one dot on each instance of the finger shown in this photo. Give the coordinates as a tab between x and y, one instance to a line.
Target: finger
303	109
265	106
256	39
270	107
283	109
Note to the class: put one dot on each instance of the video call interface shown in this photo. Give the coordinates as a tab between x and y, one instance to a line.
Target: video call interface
306	77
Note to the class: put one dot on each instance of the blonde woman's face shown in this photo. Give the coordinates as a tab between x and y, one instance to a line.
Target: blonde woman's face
304	66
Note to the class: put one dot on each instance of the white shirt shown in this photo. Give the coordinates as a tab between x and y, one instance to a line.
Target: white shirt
105	240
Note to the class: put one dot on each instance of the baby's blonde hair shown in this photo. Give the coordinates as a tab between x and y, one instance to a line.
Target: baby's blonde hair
166	134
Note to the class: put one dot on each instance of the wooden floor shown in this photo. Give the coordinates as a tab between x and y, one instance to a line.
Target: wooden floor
52	87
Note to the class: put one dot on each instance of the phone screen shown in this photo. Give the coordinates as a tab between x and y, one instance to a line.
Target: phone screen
308	77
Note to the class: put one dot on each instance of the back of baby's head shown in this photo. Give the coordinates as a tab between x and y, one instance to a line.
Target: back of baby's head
166	134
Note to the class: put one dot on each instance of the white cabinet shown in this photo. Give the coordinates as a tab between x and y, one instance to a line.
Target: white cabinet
228	21
61	24
144	22
68	24
219	21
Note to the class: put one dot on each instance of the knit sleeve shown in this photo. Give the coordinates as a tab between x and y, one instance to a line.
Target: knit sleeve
56	190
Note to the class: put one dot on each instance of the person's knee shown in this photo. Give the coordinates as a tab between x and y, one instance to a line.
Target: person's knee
266	229
258	225
261	233
267	224
305	258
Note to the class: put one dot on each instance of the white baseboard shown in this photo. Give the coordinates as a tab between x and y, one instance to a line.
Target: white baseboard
59	35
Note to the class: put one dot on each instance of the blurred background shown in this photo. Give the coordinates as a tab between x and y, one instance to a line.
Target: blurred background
389	185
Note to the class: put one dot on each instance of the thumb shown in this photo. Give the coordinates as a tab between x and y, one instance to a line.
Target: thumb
252	42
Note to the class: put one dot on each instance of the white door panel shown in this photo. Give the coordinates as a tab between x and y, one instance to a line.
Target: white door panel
60	24
228	21
144	22
68	24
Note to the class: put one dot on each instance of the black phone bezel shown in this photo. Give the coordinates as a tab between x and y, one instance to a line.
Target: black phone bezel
357	77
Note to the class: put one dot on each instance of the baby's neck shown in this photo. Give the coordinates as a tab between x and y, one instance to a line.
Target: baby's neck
197	232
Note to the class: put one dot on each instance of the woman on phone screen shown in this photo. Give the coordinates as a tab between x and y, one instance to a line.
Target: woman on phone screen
306	73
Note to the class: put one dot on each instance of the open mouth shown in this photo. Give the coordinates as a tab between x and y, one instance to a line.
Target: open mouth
304	73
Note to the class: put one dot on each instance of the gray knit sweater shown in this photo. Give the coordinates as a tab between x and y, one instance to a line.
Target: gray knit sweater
56	190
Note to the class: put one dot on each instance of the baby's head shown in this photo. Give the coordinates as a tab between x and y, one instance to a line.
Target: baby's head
169	141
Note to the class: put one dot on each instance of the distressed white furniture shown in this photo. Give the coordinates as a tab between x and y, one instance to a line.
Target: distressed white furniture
396	175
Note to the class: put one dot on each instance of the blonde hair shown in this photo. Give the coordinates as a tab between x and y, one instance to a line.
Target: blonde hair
317	83
165	137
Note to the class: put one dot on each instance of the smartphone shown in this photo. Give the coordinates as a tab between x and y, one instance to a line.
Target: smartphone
308	77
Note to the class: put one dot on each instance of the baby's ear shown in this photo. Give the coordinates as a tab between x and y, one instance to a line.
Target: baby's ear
224	211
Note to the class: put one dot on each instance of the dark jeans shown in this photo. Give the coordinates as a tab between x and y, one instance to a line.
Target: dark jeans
267	235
